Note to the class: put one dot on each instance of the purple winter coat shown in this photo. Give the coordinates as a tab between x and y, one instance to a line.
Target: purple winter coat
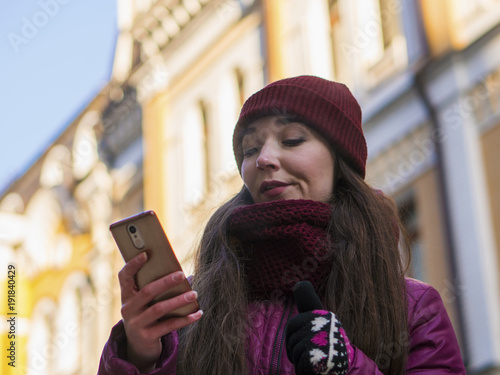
433	344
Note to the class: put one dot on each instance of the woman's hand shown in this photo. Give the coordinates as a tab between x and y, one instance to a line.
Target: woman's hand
141	320
316	343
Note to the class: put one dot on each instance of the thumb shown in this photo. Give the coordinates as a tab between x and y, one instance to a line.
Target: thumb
305	297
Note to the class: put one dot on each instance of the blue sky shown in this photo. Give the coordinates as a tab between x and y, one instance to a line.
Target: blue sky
55	56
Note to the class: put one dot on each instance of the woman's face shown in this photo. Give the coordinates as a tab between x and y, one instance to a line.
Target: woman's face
286	160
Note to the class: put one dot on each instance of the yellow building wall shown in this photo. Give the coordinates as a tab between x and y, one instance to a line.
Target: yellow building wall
47	284
436	18
273	22
155	187
23	303
447	28
491	150
436	261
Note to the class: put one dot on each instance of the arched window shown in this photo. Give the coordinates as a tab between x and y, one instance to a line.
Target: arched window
71	329
240	81
84	150
409	217
41	350
56	169
229	96
194	157
206	127
43	218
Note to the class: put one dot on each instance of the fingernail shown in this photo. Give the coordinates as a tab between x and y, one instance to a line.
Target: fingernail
191	296
143	256
178	276
198	314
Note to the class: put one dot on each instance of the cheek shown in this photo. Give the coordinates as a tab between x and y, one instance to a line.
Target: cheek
247	175
320	173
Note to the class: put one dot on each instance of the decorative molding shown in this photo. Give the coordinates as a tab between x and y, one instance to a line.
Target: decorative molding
402	162
483	101
163	22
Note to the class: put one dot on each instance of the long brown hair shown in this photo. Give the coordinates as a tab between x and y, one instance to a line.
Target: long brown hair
365	288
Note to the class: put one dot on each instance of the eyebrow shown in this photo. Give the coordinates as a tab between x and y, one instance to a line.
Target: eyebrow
280	120
283	120
246	131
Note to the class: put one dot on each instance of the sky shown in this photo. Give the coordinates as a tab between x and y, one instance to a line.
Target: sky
55	57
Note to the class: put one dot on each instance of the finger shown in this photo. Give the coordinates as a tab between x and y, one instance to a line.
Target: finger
306	297
297	328
295	343
127	273
152	290
161	308
141	299
175	324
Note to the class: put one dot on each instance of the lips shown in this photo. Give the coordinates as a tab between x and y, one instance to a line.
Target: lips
266	186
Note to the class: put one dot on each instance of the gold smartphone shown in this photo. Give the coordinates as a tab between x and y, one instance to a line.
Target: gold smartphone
143	232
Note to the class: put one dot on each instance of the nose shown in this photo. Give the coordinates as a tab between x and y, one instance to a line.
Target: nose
268	158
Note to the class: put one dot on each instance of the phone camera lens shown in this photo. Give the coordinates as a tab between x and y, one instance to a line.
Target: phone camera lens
132	229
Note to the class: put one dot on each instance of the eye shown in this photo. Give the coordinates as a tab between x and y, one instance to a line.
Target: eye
249	152
293	142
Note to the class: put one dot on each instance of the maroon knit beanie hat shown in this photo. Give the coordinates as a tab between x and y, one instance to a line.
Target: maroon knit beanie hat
327	107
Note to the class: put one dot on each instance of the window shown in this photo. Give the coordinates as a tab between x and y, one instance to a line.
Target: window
471	19
409	218
230	93
41	350
373	41
369	35
470	9
240	81
205	129
390	15
335	25
136	53
387	46
84	152
194	156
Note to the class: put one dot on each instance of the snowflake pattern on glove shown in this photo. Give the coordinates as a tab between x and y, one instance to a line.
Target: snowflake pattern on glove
328	355
316	343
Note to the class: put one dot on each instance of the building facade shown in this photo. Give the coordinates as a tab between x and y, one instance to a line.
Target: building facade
159	136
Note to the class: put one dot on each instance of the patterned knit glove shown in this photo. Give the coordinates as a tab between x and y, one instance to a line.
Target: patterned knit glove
316	343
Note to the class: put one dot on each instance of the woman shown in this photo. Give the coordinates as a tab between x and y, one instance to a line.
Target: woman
304	213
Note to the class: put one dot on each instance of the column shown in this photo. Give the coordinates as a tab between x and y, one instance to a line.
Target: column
472	232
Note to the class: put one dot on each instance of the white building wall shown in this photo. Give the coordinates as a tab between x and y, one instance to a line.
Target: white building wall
393	110
214	84
471	223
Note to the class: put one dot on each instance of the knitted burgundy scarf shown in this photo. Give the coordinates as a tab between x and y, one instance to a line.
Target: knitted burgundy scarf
284	242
